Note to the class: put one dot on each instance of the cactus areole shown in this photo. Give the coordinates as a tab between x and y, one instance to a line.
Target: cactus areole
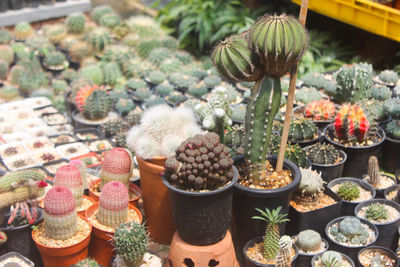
263	54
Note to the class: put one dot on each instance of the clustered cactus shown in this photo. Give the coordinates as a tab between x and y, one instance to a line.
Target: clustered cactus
350	230
349	191
377	212
309	241
323	154
320	110
302	130
201	162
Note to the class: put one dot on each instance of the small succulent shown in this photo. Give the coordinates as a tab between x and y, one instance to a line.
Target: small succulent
350	230
124	106
135	84
23	30
164	89
54	59
380	92
309	240
153	100
393	129
142	93
212	81
389	76
324	154
110	20
331	259
156	77
197	90
175	97
5	36
349	191
170	65
99	11
377	212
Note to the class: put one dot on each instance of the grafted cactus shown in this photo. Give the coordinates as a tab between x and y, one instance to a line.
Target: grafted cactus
70	177
351	124
117	166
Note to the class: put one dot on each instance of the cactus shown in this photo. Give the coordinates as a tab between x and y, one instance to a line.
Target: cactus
353	82
54	59
97	105
131	243
55	33
164	89
135	84
350	230
156	77
5	36
14	74
389	76
351	124
94	73
377	212
114	126
82	169
110	20
59	86
7	53
184	57
212	81
135	68
86	263
302	130
22	31
309	241
134	117
3	69
157	55
60	217
374	109
155	100
271	236
239	113
201	163
124	106
197	72
170	65
79	51
374	174
316	80
144	26
311	184
307	95
99	11
181	81
116	94
284	254
69	74
197	90
331	259
113	204
293	152
117	166
75	23
82	94
348	191
100	38
111	73
8	92
393	129
120	139
175	97
31	78
70	177
320	110
380	92
323	154
392	107
231	93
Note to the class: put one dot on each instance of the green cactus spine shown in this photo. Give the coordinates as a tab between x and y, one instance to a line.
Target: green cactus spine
323	154
111	73
110	20
99	11
349	191
54	59
284	255
76	23
131	242
94	73
97	105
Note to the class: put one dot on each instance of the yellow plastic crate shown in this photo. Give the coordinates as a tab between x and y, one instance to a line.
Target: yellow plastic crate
364	14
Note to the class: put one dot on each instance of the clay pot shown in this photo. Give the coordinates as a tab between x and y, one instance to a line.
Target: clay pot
65	256
101	247
160	161
132	187
157	205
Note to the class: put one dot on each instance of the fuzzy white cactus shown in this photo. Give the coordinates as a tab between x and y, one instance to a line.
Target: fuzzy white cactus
161	130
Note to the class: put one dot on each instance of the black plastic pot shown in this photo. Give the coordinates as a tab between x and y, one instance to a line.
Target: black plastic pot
388	236
3	6
330	172
351	251
349	206
320	124
15	4
246	199
251	263
388	252
391	154
304	259
357	157
385	122
315	219
380	193
20	239
309	142
202	218
343	255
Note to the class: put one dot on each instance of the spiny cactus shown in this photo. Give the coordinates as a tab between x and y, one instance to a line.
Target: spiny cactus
271	237
350	230
82	94
374	173
389	76
82	169
311	183
5	36
309	241
100	38
86	263
59	85
323	154
181	81
156	77
351	124
393	129
111	73
231	92
134	117
120	139
99	11
284	254
54	59
212	81
55	33
155	100
60	217
144	26
170	65
380	92
135	84
374	109
114	126
392	106
164	89
307	95
198	90
117	166
143	93
22	31
157	55
184	57
131	243
69	74
79	51
293	152
97	105
76	23
377	212
124	106
349	191
6	53
70	177
201	162
320	110
302	130
3	69
113	204
93	72
9	92
110	20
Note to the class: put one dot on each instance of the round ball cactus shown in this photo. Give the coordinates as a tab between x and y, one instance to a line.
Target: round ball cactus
309	240
23	30
113	204
302	130
97	105
3	69
70	177
117	166
100	38
76	23
348	191
6	53
311	182
324	154
99	11
60	217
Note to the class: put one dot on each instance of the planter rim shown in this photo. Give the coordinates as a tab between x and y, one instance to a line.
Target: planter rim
132	187
341	152
356	180
339	219
314	258
38	220
388	118
75	113
314	121
307	254
378	200
388	251
390	189
381	133
392	140
207	193
259	239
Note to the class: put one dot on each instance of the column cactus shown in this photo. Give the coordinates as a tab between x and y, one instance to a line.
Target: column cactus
117	166
113	204
264	54
284	255
70	177
374	173
60	216
82	169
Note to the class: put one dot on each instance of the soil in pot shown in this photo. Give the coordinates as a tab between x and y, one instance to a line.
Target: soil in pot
352	191
358	154
385	215
326	259
149	260
378	255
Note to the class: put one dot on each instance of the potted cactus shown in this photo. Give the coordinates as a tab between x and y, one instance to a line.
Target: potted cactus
270	249
87	263
391	146
320	112
385	215
388	78
353	133
131	243
332	258
326	159
377	179
261	62
313	204
309	243
377	256
200	178
303	132
63	238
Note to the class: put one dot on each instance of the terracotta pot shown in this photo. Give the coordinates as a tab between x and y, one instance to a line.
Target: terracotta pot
160	161
66	256
101	247
157	205
132	187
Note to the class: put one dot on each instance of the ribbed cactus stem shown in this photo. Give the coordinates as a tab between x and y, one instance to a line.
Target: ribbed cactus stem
82	169
70	177
284	255
13	180
117	166
60	217
373	171
113	204
261	110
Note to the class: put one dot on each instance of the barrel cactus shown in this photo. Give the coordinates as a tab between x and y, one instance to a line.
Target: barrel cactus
60	217
323	154
349	191
113	204
309	241
76	23
3	69
100	38
97	105
111	73
99	11
124	106
22	31
70	177
79	51
302	130
110	20
117	166
54	59
156	77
